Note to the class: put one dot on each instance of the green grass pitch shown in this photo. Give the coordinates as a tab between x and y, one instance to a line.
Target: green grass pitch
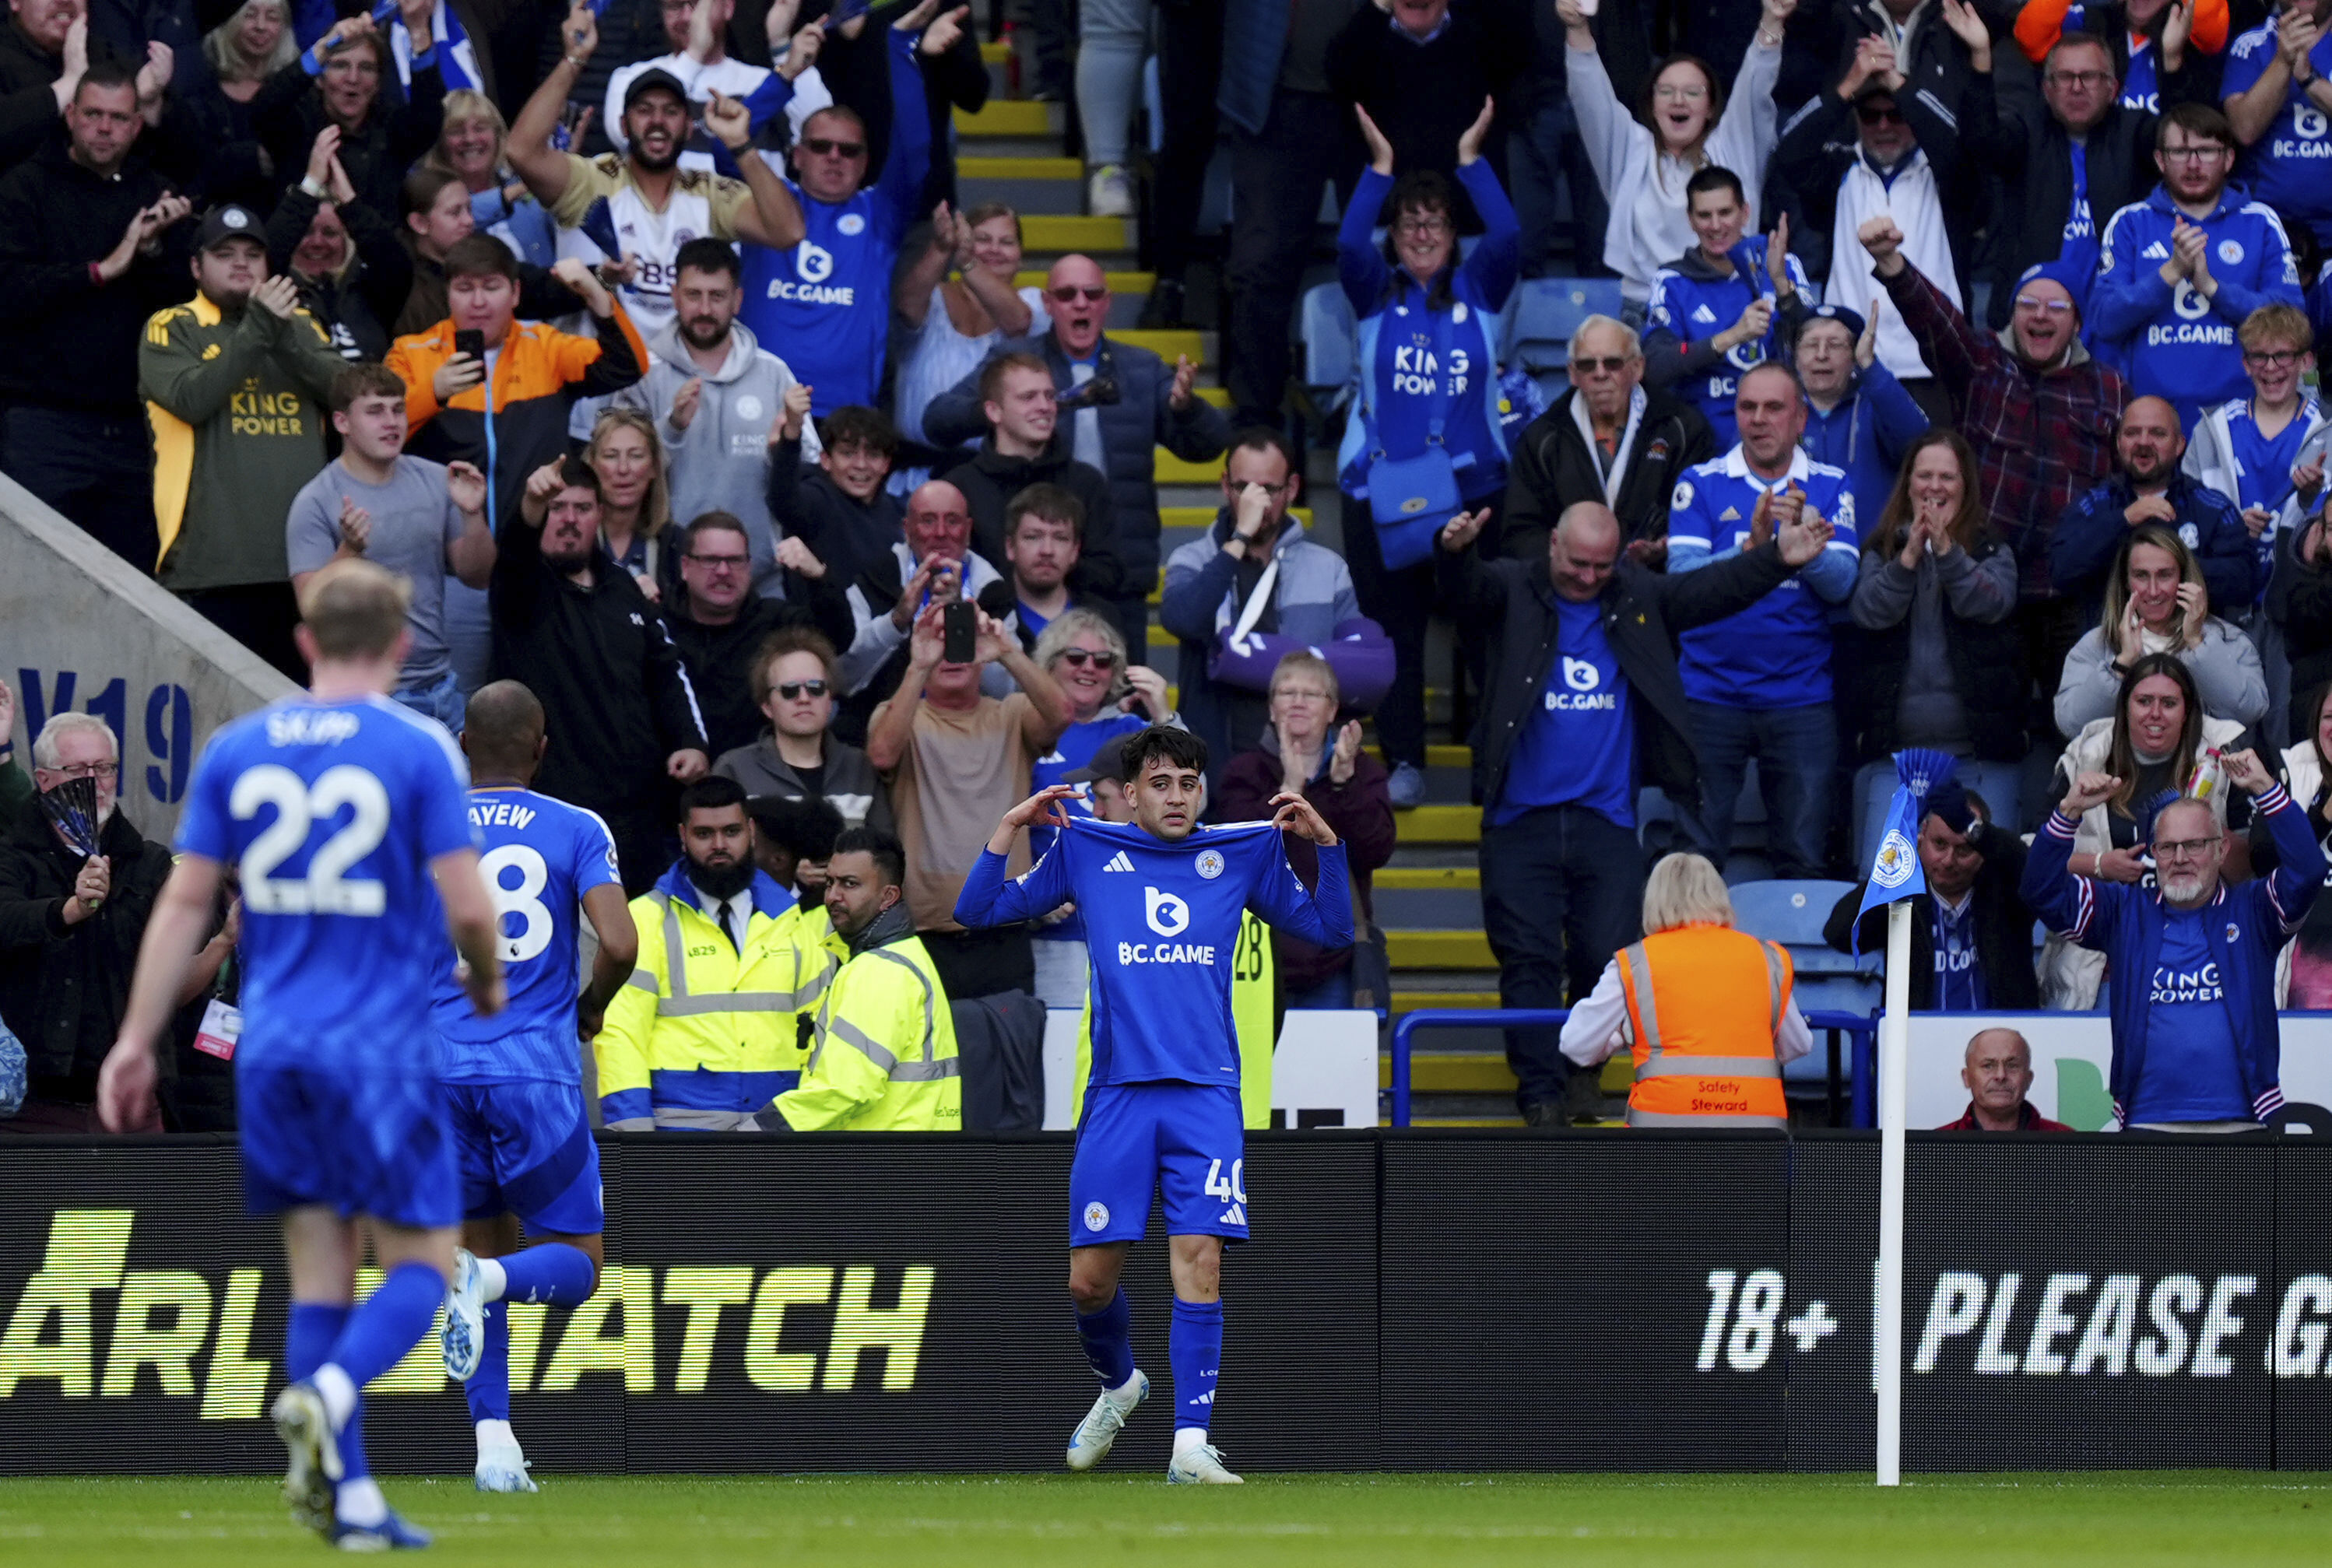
1332	1521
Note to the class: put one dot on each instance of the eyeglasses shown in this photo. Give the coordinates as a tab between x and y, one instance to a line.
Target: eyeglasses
722	563
1282	488
790	690
827	146
1422	227
1081	657
1871	114
1070	293
1302	694
1609	364
2053	307
87	770
1674	94
2184	848
2080	78
2208	152
2271	359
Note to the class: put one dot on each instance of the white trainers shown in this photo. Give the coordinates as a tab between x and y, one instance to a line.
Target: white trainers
1109	192
312	1457
502	1467
1097	1433
1201	1465
464	1338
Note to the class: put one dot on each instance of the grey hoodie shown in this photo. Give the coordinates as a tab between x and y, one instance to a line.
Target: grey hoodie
720	462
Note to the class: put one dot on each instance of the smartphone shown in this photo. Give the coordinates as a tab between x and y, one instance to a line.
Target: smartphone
471	341
960	622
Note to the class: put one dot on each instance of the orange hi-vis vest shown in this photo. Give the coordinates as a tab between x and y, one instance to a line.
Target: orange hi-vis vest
1704	1047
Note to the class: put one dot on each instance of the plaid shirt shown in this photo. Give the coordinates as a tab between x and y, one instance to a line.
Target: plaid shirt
2043	435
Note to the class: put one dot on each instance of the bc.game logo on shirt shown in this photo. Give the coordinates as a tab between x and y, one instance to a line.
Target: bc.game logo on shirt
1583	678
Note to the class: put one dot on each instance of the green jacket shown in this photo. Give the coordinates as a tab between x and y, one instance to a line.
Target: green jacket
236	408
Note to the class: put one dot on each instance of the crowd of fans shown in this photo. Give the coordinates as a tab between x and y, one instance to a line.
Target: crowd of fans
1961	398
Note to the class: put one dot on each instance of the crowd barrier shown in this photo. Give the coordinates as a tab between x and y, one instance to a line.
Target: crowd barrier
1418	1300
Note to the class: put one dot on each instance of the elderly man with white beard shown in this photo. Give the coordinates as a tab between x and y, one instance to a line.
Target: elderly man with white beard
2191	960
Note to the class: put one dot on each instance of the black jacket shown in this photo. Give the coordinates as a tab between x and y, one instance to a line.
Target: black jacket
1987	669
402	125
63	988
1424	96
847	536
990	480
719	660
2003	930
357	309
617	698
1642	613
2299	601
1819	143
1132	429
1553	467
2006	127
72	343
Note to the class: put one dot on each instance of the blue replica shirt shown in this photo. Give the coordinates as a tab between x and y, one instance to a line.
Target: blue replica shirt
2190	1073
2290	167
2172	342
1776	653
1959	980
334	811
2263	465
1430	363
2078	249
1579	745
1693	308
540	857
1071	752
1162	922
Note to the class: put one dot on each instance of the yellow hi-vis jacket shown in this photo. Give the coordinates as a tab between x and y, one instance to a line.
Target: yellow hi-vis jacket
1255	979
704	1032
885	1059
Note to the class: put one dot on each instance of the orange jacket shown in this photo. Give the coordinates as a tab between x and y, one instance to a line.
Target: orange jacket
2042	22
1704	1007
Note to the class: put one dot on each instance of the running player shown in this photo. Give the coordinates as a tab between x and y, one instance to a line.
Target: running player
516	1081
344	813
1161	901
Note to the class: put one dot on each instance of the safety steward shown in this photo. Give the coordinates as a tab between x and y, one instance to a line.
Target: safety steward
884	1058
709	1030
1704	1008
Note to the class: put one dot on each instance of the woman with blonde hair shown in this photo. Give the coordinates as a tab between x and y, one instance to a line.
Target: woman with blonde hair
1707	1009
635	498
238	56
2156	602
958	319
470	149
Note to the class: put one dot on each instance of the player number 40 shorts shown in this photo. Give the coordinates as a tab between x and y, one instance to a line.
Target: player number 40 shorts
1185	1142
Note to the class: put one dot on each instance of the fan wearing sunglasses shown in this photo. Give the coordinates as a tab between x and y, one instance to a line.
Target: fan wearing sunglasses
798	757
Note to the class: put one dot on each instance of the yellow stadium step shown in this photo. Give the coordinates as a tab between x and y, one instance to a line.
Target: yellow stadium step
1439	825
995	51
1176	470
1162	638
1220	396
1009	117
1439	950
1119	283
1472	1072
1168	343
1449	756
1426	878
1417	1001
1020	168
1047	231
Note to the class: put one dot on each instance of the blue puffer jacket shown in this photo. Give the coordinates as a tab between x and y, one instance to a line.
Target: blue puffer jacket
2125	923
1867	434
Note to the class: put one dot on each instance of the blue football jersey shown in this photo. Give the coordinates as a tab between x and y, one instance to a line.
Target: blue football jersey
1161	925
333	811
540	856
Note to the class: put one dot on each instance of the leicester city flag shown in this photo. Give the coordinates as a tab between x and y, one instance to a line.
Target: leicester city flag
1894	871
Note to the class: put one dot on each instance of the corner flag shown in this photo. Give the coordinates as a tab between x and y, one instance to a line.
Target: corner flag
1896	873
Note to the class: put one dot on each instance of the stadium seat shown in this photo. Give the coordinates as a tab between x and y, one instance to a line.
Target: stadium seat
1330	345
1544	313
1794	913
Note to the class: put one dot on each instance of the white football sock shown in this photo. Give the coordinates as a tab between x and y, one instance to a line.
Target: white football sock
360	1502
1189	1437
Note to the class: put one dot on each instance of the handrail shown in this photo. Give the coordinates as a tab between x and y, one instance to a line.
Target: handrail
1863	1032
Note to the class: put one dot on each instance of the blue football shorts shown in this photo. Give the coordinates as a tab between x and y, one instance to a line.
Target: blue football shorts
355	1143
525	1147
1186	1142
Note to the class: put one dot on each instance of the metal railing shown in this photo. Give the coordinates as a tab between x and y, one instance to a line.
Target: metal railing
1860	1035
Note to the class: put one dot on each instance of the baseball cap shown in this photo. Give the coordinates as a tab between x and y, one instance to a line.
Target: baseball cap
230	222
1108	762
1851	320
650	80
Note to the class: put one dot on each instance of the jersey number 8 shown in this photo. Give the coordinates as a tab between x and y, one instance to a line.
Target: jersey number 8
299	808
525	901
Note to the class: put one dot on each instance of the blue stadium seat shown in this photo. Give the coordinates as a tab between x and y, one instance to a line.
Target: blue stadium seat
1541	316
1791	913
1330	346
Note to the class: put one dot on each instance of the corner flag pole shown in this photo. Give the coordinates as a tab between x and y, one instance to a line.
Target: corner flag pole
1894	1100
1894	878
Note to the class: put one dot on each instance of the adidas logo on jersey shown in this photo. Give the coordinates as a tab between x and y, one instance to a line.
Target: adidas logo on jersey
1702	313
2157	251
1234	1215
1119	862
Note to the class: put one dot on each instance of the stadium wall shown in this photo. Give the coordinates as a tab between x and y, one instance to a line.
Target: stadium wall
86	631
1415	1301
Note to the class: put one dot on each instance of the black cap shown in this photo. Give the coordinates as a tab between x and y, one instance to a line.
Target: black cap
1108	762
649	80
227	223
